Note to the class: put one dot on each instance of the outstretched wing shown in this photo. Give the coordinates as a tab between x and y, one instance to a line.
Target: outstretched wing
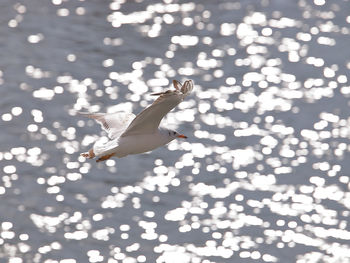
148	120
113	123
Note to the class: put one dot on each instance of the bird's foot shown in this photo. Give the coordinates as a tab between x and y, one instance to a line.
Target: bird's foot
104	157
90	154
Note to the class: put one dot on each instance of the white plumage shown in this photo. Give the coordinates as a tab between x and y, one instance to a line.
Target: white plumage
113	123
130	134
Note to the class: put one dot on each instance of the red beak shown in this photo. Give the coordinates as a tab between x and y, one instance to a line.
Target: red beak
182	136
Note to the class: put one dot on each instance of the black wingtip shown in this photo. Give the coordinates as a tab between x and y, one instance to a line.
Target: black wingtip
177	84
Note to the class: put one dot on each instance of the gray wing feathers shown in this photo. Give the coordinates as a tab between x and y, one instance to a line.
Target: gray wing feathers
148	120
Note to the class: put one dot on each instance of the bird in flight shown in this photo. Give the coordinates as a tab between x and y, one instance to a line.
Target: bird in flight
130	134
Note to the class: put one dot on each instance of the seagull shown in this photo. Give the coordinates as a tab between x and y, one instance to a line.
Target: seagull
130	134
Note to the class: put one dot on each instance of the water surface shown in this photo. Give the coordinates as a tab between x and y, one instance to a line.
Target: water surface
264	175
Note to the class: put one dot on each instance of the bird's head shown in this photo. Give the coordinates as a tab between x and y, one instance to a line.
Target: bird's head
171	134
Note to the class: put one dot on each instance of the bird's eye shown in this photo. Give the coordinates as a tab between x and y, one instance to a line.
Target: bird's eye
174	133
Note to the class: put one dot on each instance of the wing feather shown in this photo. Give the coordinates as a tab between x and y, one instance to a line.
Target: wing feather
149	119
113	123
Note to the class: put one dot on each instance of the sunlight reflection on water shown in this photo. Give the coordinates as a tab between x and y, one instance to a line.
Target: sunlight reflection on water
263	176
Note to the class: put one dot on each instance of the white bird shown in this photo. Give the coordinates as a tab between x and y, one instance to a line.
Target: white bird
130	134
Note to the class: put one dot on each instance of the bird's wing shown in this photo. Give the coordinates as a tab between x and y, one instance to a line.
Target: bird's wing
148	120
113	123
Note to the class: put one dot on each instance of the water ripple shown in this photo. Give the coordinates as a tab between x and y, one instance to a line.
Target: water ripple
263	175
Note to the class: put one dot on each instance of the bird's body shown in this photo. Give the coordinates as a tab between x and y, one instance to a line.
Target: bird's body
134	144
134	135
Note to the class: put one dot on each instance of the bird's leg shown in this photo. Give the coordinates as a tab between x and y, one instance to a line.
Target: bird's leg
105	157
90	154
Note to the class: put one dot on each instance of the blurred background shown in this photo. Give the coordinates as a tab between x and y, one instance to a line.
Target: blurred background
264	174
